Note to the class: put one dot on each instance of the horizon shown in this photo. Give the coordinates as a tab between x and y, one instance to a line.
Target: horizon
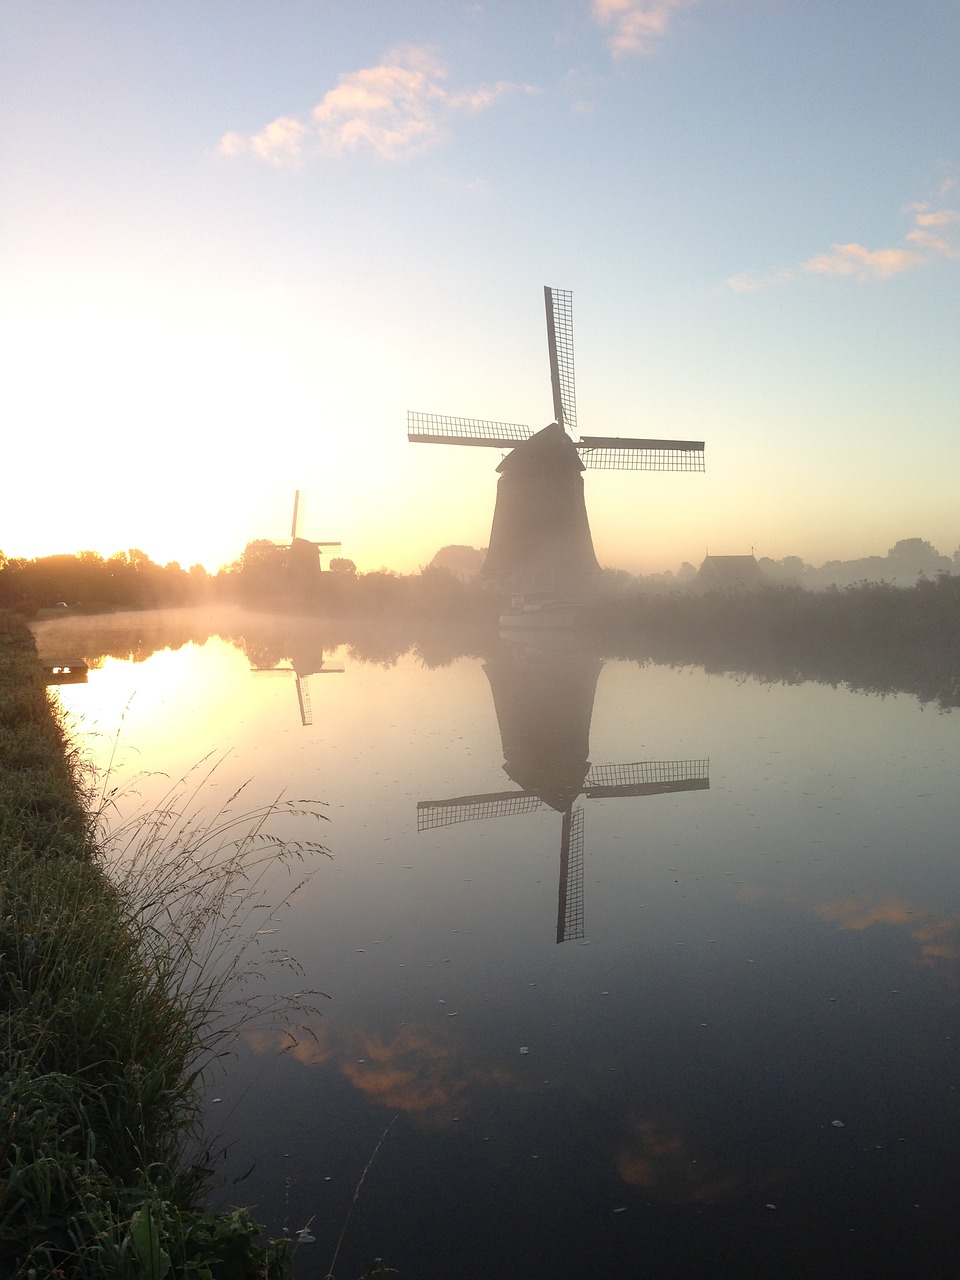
239	244
385	568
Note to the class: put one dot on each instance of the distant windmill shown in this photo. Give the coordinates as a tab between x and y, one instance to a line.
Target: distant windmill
544	705
304	561
540	538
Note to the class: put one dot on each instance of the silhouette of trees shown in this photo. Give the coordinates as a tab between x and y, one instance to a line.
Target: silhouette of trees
905	561
127	579
463	562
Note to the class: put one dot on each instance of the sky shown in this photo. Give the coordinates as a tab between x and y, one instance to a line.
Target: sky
239	240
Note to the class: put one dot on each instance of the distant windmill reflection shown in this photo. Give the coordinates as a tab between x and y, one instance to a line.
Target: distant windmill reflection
303	667
544	704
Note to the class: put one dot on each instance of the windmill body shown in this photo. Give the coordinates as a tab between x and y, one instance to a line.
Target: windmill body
540	538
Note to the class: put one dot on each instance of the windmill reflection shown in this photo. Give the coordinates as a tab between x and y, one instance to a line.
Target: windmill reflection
544	699
303	667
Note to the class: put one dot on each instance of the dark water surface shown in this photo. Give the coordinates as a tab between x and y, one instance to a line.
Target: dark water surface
741	1058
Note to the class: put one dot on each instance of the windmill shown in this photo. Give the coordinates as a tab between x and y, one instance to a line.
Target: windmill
544	705
304	556
540	537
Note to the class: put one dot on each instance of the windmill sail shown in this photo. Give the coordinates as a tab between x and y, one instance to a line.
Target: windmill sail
303	700
438	428
618	453
570	894
647	778
559	308
497	804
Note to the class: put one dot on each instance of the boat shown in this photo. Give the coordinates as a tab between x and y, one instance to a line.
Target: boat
541	609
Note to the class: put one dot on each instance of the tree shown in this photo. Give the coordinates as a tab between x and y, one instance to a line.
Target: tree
915	556
340	565
463	562
263	570
687	572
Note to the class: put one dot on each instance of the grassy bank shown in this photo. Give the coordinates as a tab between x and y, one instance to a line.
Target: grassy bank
98	1047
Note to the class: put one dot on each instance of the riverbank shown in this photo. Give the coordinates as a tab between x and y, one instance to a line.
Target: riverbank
870	638
99	1097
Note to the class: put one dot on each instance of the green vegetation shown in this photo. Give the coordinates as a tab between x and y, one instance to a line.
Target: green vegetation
116	996
871	638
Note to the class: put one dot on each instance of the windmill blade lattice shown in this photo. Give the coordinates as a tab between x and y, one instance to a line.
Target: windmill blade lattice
500	804
559	308
570	896
439	428
618	453
647	778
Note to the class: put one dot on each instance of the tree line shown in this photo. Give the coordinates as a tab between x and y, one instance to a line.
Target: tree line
125	580
266	577
873	637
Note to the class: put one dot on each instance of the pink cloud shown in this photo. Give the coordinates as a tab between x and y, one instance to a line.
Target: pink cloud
397	109
634	25
932	229
935	234
861	263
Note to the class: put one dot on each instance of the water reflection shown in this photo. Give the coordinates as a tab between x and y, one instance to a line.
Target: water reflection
543	695
759	961
303	665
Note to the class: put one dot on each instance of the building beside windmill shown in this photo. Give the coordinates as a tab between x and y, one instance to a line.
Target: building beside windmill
728	573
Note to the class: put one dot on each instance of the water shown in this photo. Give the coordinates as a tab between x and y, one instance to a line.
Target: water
743	1059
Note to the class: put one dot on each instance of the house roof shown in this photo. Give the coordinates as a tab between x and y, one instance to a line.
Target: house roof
730	572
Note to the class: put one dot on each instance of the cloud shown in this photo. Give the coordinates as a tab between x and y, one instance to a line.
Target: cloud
397	109
863	264
936	935
751	281
416	1070
935	234
658	1159
635	25
932	229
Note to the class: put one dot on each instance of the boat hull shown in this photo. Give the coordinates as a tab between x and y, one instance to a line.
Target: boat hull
553	615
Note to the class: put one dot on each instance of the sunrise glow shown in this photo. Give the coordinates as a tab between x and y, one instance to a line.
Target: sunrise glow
239	244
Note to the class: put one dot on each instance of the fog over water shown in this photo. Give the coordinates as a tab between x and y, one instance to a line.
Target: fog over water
740	1059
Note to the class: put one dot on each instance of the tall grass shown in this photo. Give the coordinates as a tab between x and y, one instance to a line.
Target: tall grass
202	889
129	959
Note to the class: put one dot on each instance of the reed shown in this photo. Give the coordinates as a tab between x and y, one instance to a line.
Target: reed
130	957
